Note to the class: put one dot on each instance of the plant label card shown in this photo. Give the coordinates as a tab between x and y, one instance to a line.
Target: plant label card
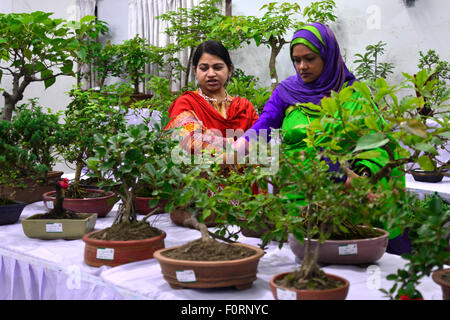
283	294
348	249
50	205
186	276
105	254
53	227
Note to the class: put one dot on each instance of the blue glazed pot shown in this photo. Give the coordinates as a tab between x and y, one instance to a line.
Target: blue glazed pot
10	213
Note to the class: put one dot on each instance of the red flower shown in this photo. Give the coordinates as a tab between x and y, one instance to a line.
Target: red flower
64	183
405	297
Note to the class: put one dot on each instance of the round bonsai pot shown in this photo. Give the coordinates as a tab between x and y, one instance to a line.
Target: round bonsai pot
10	213
101	205
437	277
98	253
283	293
142	205
178	216
427	176
239	273
33	190
358	251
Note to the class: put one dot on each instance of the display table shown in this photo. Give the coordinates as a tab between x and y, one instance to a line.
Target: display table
426	188
54	269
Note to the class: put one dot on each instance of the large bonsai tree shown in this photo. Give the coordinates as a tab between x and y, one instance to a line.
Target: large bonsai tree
34	48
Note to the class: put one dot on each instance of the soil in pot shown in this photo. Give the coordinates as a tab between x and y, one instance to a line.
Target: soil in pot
127	232
335	287
212	250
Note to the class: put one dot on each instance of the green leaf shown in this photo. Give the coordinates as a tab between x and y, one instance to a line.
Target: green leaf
49	82
426	147
369	154
371	141
426	163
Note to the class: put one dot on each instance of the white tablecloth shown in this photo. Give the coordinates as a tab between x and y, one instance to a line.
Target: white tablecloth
54	269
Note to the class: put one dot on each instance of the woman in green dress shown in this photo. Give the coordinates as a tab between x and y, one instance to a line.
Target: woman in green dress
320	70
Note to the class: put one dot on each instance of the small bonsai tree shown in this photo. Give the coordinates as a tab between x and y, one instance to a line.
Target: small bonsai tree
369	67
88	114
430	242
34	48
28	144
135	154
131	58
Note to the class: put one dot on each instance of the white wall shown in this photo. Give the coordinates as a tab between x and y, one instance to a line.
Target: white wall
360	23
117	17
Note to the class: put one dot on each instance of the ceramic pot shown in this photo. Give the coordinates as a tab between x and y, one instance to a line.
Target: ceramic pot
427	176
445	284
359	251
101	205
283	293
51	229
238	273
178	216
98	253
33	190
10	213
142	205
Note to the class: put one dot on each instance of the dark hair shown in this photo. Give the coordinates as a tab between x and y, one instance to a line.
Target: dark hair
212	47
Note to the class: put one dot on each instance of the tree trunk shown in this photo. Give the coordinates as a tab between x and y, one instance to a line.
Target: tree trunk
188	70
10	105
275	50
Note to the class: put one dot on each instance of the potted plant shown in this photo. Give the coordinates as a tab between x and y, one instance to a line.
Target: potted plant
206	262
88	114
34	48
126	158
28	153
131	58
10	211
59	223
430	242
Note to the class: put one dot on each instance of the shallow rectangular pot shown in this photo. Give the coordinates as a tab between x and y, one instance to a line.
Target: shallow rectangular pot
50	229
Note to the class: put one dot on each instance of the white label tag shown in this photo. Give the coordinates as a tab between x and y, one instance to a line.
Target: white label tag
186	276
53	227
349	249
50	205
284	294
105	253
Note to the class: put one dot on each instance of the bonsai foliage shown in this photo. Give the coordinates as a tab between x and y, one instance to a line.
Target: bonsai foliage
28	144
246	86
33	48
382	122
94	59
369	66
88	114
131	58
430	247
435	88
278	21
137	154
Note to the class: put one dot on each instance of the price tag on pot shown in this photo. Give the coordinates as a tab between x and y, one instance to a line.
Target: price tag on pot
283	294
105	253
53	227
348	249
186	276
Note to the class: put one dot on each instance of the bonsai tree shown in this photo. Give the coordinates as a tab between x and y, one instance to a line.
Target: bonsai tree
131	58
430	245
133	155
88	114
434	88
271	29
28	144
369	67
34	48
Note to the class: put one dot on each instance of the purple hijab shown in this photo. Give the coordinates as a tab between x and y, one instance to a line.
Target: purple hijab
335	73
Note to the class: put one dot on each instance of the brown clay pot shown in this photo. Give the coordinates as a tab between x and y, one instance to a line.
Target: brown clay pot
283	293
445	285
99	253
33	190
142	205
238	273
101	205
359	251
178	216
